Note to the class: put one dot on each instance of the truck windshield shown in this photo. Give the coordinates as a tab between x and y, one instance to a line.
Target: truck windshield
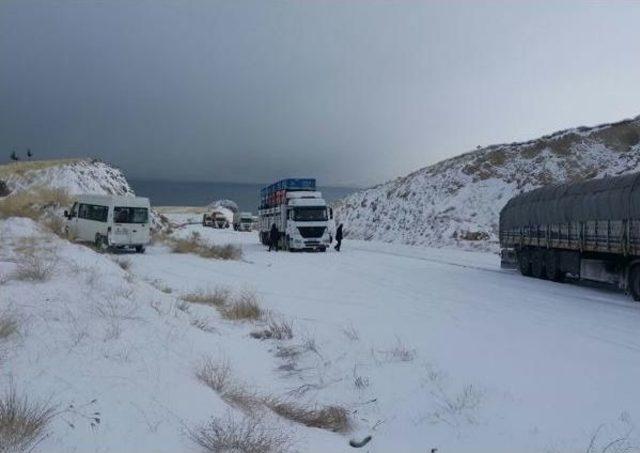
310	214
123	214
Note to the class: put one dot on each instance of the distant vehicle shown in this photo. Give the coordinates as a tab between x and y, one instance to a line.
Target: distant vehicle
110	221
215	219
299	213
242	221
588	230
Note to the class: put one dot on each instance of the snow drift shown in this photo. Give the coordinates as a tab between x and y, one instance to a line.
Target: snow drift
457	202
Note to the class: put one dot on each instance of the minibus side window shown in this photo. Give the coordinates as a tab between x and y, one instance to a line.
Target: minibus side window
83	211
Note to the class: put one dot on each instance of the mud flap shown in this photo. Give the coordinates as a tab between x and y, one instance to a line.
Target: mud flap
508	259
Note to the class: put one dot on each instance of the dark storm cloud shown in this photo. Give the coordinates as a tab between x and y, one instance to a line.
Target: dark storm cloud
350	92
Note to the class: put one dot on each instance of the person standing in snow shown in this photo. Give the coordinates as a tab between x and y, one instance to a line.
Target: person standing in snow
338	237
273	238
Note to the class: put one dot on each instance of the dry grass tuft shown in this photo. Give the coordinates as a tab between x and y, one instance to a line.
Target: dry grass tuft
162	286
124	263
400	352
202	324
218	298
194	244
55	224
245	307
31	203
8	326
331	418
247	435
217	376
34	264
278	328
23	423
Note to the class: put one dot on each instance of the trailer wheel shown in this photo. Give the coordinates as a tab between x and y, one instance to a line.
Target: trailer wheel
634	282
537	264
524	262
552	266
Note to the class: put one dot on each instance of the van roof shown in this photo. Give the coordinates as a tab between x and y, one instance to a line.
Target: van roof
118	200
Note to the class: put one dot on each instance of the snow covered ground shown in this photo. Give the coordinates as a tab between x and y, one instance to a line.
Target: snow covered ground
427	348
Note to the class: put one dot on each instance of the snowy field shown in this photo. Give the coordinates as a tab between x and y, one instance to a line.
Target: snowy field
426	348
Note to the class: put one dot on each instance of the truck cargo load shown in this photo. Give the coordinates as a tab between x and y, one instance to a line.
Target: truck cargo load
299	212
587	230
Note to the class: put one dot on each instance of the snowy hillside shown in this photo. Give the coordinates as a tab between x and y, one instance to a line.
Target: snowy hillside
457	202
72	175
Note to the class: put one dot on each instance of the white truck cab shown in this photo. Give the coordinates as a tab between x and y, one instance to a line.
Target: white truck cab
242	221
300	214
307	222
110	221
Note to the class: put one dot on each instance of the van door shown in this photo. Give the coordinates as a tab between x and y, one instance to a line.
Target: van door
72	221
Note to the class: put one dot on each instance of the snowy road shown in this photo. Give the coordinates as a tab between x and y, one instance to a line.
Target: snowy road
457	354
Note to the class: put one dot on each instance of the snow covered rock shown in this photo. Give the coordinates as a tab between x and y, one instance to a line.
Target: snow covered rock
72	175
457	202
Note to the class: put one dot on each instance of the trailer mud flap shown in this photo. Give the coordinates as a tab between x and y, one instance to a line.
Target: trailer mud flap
508	259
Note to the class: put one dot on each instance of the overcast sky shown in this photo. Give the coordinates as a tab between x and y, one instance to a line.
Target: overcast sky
353	92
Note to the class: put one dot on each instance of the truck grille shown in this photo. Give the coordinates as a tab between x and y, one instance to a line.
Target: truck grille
311	232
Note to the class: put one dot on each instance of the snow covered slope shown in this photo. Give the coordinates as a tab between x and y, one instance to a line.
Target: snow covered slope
457	202
72	175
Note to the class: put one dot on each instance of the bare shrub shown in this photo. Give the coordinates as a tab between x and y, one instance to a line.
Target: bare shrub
451	407
194	244
247	435
116	308
245	307
278	328
331	418
23	423
613	437
124	263
219	297
215	375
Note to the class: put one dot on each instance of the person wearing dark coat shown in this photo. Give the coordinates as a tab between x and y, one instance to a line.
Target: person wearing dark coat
273	238
338	237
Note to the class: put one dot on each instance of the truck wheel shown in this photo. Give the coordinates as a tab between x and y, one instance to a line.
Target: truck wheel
101	243
552	266
634	282
537	264
524	262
